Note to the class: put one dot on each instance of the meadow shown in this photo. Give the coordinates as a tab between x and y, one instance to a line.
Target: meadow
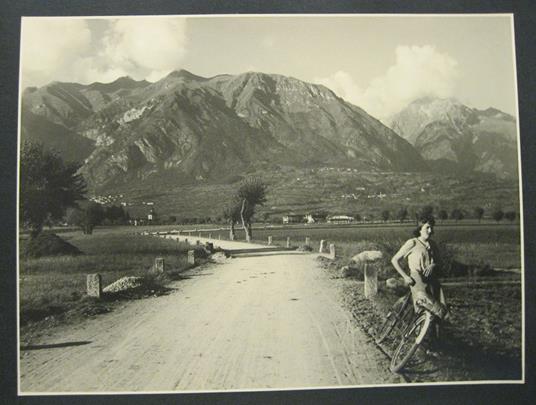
55	285
470	244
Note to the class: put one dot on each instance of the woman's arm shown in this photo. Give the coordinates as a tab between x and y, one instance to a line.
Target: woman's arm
395	261
435	260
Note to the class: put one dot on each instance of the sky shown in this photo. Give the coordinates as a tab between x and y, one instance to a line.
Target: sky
380	63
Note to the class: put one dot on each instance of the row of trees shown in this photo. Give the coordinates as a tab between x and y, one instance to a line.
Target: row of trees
456	214
90	214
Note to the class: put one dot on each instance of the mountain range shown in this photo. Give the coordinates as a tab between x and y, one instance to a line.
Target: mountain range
190	130
452	136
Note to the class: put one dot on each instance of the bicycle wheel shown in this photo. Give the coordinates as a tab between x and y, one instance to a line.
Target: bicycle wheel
394	316
410	341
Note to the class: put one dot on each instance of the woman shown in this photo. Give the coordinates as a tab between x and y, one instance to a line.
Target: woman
422	255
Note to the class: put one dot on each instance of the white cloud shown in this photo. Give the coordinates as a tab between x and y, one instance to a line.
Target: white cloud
68	50
343	84
155	44
417	72
49	45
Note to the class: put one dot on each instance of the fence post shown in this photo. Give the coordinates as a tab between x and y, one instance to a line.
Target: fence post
370	260
159	266
371	281
269	240
332	251
191	257
94	285
307	241
210	236
288	241
322	243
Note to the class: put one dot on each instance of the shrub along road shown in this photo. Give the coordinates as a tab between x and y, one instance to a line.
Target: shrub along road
262	321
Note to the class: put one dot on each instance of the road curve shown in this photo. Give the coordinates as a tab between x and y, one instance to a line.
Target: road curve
259	321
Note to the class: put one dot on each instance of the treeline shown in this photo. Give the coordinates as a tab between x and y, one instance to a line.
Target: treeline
455	214
89	214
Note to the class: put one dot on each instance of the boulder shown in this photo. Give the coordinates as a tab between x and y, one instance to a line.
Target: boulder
368	256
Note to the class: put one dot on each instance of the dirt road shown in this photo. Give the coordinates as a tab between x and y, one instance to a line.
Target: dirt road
257	321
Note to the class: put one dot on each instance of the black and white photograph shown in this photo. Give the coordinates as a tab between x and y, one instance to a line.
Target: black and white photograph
238	203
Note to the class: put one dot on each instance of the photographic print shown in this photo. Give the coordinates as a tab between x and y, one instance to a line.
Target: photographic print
268	202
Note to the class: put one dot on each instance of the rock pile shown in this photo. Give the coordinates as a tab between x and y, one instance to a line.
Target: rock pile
123	284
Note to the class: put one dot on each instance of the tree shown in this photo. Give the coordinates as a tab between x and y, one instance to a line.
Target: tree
402	214
456	214
510	216
442	215
116	214
48	186
426	212
498	215
479	213
252	192
385	215
231	214
89	215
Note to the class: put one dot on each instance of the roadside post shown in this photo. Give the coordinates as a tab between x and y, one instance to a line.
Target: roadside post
307	241
94	285
332	251
269	240
191	257
159	266
288	241
369	259
322	243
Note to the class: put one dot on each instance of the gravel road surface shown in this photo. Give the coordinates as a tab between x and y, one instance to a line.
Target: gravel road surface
258	321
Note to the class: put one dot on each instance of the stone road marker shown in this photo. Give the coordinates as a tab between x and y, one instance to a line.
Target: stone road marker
94	285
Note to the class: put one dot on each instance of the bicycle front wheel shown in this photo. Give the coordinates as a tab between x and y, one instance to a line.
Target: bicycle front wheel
410	341
395	315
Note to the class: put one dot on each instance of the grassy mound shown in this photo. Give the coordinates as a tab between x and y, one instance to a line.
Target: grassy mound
48	244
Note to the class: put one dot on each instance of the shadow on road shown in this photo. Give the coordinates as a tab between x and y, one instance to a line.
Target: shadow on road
54	345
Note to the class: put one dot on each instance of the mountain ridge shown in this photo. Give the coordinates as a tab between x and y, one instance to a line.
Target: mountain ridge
447	132
199	128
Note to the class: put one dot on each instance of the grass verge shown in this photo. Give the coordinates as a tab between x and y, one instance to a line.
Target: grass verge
481	340
53	289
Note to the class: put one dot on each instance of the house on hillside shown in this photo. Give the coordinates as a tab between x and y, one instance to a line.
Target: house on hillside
151	216
341	219
293	218
315	218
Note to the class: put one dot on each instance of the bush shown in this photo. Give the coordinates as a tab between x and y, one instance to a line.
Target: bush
48	244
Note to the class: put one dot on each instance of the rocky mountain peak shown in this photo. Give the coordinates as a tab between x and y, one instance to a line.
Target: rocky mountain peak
445	130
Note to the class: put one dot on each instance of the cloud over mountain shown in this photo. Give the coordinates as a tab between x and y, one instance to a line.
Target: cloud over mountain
87	50
418	71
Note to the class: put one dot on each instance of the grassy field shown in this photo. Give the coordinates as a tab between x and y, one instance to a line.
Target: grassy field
472	244
54	285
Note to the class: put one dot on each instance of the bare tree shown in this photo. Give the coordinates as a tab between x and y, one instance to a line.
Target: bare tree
252	192
231	214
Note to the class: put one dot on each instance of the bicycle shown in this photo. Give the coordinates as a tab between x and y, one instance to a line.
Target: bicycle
400	312
413	325
416	331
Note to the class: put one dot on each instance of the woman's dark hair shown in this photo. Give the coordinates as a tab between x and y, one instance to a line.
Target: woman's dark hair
423	221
